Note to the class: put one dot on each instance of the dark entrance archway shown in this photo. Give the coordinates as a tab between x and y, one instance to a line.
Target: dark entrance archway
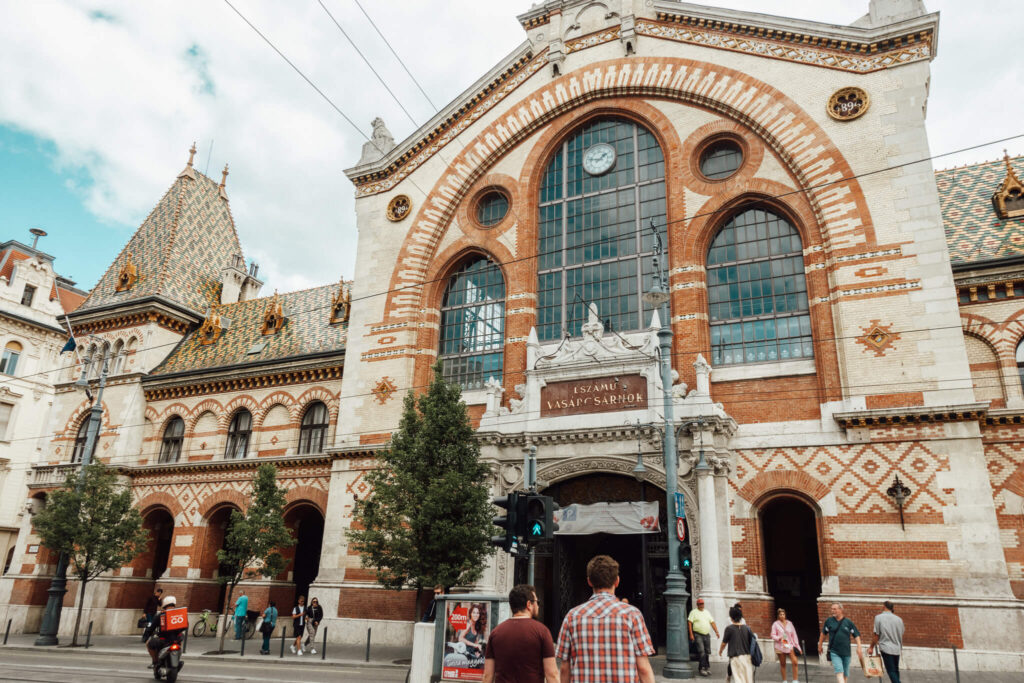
792	562
307	525
218	523
161	530
561	565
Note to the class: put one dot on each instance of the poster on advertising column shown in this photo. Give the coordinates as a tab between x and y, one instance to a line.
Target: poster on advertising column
465	641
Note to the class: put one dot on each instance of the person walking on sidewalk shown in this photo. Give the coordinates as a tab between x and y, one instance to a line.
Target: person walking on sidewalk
786	644
604	639
267	627
431	613
151	608
314	613
888	638
520	649
241	608
839	630
298	624
700	623
737	636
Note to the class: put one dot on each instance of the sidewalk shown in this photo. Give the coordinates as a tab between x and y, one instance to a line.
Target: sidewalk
344	654
815	673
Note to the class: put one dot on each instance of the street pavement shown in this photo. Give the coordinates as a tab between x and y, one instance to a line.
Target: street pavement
816	673
124	658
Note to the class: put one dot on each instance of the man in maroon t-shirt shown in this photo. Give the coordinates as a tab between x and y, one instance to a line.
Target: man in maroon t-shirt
520	649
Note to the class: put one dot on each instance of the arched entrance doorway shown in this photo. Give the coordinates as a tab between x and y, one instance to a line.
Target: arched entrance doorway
307	525
560	574
217	525
160	524
792	562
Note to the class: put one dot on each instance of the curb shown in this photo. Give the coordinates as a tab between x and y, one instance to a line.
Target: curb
347	663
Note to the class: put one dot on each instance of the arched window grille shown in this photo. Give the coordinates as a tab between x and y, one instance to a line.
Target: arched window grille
757	292
78	451
595	242
473	324
313	431
174	435
238	435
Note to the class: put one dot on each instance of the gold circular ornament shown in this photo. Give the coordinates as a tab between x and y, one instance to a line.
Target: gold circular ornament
398	208
848	104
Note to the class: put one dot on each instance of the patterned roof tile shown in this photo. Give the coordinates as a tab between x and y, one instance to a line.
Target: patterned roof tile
974	231
179	250
307	331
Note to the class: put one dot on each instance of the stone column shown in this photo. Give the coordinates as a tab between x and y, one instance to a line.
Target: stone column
724	523
711	582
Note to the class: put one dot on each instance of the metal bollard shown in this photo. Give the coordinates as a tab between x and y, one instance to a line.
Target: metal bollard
803	651
242	651
88	637
368	643
956	665
8	631
184	642
323	648
283	629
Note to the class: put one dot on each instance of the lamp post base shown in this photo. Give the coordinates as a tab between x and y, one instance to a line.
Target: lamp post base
54	604
677	643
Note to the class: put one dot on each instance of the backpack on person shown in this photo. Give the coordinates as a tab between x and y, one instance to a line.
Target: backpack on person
756	657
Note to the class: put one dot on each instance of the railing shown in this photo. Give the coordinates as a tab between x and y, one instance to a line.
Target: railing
50	475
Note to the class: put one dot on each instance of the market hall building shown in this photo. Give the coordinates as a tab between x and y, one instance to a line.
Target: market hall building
841	314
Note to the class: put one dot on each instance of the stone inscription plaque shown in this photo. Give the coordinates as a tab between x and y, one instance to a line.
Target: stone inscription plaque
601	395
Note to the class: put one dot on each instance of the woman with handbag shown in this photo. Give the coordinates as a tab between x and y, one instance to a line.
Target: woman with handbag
786	644
314	613
267	627
738	636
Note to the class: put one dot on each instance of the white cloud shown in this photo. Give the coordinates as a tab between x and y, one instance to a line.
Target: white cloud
124	92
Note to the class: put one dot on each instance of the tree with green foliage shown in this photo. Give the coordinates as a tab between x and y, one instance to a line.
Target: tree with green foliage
254	538
428	519
91	518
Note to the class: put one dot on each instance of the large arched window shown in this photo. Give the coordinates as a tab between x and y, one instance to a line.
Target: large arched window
599	195
1020	361
473	324
9	361
757	291
78	451
174	434
313	431
238	435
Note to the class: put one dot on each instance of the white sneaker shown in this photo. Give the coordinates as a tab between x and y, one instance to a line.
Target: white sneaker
312	650
300	653
293	648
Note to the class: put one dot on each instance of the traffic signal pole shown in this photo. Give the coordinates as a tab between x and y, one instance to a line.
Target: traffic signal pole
530	479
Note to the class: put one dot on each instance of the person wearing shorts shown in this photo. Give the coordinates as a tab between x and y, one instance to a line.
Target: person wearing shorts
840	631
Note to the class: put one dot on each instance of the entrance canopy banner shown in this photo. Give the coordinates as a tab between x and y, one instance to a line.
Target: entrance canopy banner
608	518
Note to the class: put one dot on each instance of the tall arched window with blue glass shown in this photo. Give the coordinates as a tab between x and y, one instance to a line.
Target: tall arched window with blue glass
473	324
601	190
757	292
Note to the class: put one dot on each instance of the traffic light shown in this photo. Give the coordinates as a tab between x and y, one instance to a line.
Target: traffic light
510	503
538	517
685	556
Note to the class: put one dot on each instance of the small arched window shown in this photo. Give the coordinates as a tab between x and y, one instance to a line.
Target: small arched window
80	438
174	435
757	292
9	361
238	435
118	357
473	324
1020	361
9	560
313	432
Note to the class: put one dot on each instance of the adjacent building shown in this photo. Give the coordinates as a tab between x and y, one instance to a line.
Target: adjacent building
847	395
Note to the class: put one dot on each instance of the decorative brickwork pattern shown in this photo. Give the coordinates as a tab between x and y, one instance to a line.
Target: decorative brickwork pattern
1004	459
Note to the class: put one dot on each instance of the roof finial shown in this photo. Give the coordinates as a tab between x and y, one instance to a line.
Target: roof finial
192	154
1006	160
224	177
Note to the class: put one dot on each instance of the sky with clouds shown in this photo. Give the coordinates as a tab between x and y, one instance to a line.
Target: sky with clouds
99	102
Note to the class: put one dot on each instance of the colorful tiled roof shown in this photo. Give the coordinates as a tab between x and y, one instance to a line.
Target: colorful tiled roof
8	258
974	231
70	299
179	250
307	331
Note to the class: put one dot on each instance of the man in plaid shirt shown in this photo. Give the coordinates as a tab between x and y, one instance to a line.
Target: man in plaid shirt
604	640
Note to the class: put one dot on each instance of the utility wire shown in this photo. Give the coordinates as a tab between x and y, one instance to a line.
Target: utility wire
409	73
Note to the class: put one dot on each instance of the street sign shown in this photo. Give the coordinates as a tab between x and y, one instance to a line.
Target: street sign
680	507
681	529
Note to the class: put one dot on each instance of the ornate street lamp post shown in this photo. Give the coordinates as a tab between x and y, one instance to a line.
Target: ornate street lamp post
58	586
677	642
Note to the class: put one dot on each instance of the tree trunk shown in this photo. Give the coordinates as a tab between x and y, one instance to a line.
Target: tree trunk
419	603
227	606
78	616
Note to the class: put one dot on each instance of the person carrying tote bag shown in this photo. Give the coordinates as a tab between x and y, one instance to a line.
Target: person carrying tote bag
740	640
267	627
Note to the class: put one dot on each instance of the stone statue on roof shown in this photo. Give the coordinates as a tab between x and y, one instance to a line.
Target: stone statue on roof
381	142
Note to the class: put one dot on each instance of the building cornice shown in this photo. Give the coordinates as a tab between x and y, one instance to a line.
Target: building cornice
1004	416
890	417
154	309
35	324
245	377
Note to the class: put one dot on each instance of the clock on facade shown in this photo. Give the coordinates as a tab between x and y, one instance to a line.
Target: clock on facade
599	159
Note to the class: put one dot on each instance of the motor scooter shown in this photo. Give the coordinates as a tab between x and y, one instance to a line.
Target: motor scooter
168	661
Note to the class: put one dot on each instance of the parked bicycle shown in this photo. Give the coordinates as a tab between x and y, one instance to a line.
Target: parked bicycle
207	621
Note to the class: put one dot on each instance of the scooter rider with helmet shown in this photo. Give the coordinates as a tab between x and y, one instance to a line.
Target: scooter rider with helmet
163	635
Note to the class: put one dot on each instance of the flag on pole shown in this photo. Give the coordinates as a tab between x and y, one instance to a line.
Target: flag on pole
71	344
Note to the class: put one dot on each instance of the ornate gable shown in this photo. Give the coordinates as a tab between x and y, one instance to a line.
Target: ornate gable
1009	198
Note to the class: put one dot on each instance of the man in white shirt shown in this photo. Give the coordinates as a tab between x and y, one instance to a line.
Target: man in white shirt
888	637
